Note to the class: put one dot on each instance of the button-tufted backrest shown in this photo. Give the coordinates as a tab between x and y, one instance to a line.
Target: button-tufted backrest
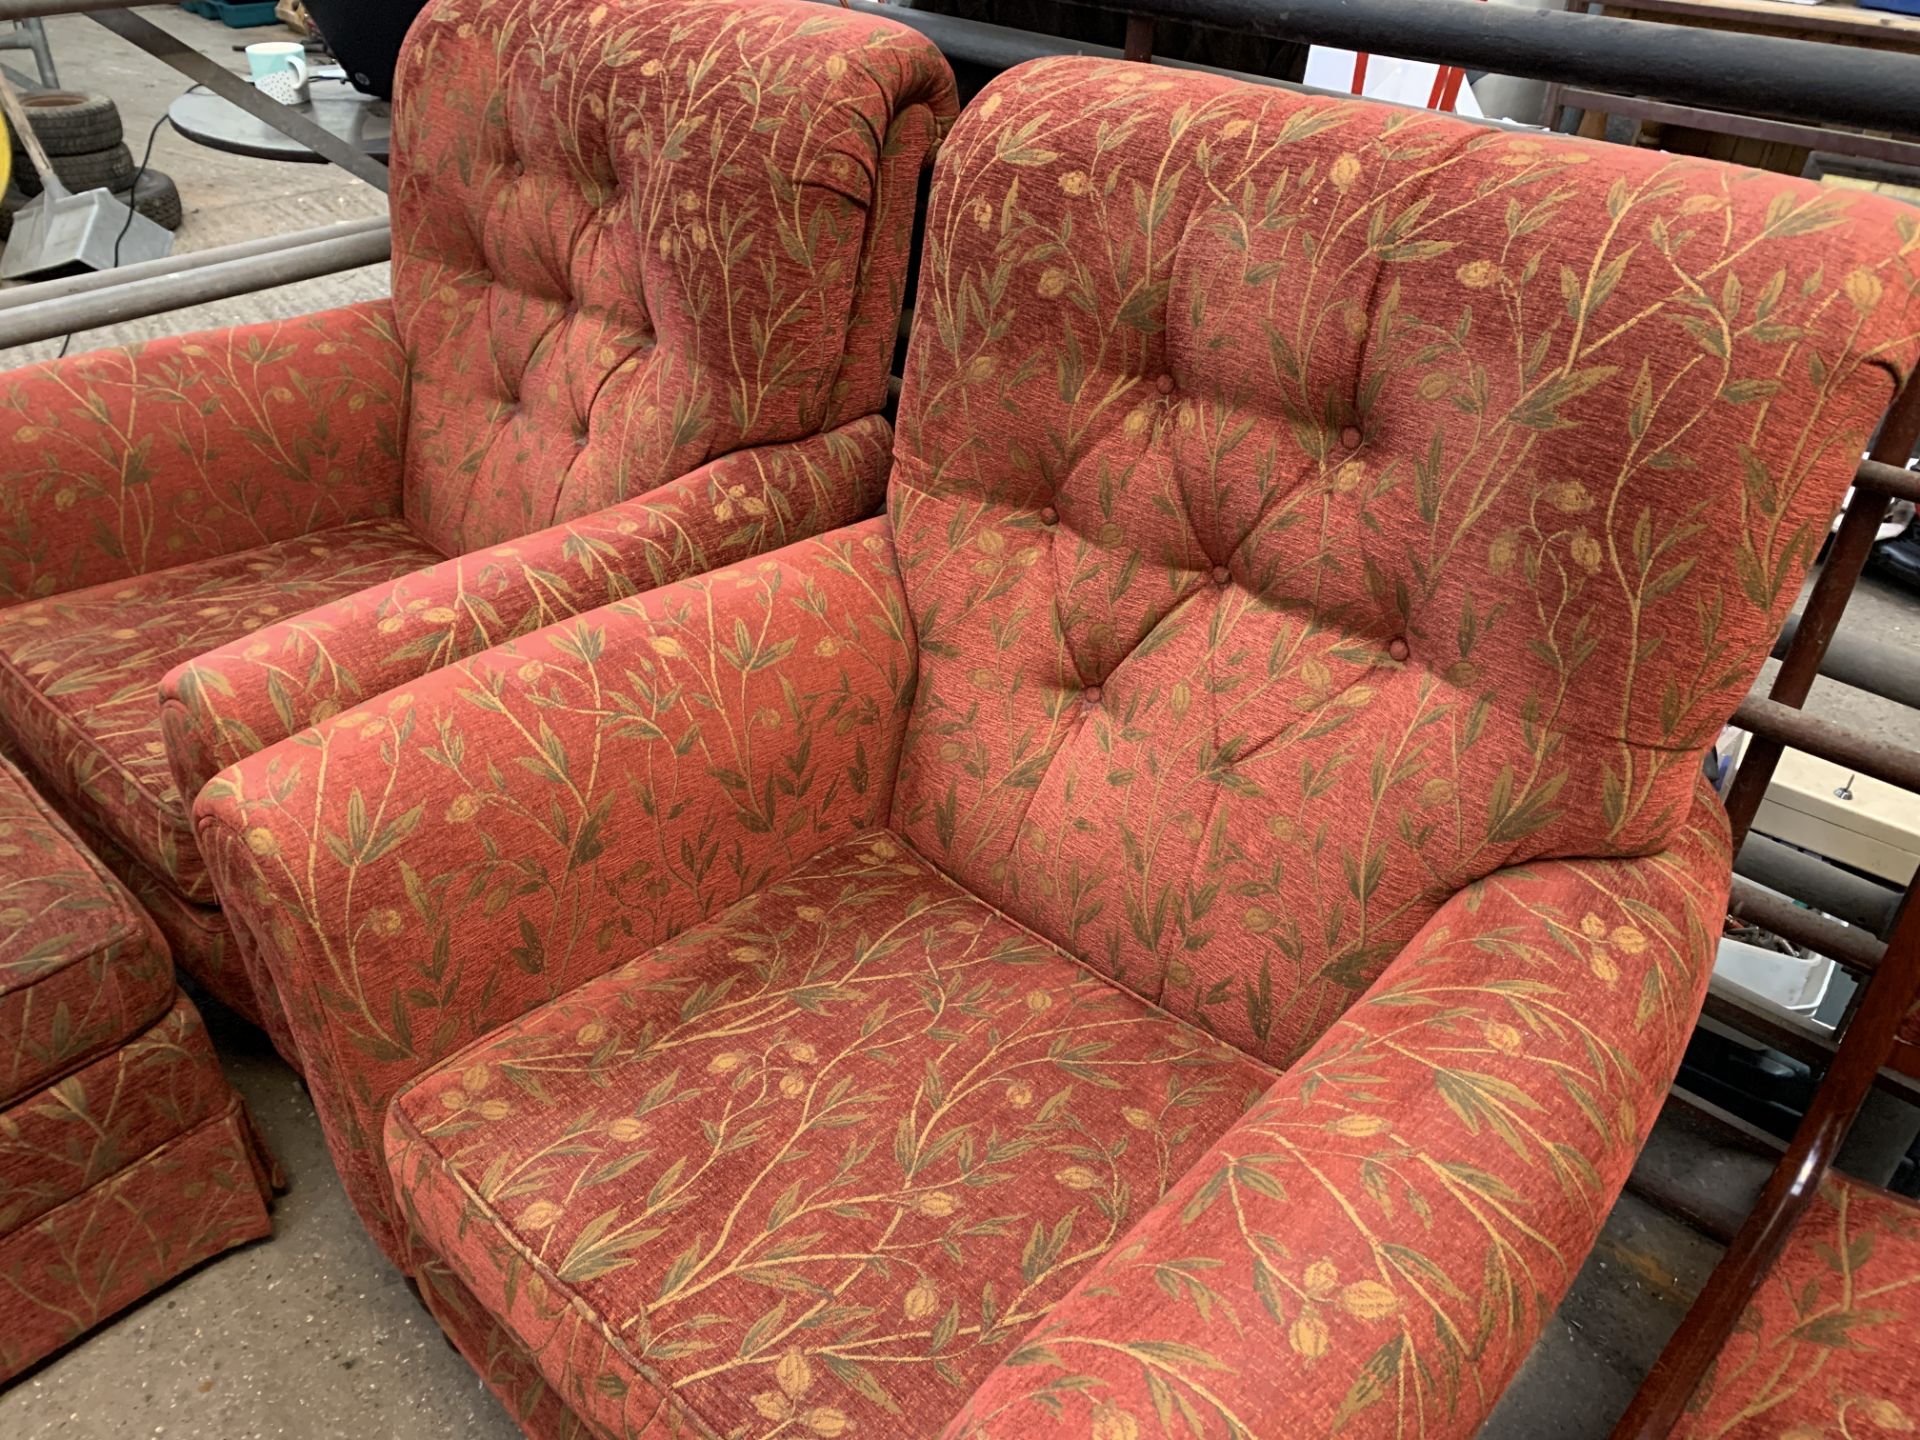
1308	507
632	235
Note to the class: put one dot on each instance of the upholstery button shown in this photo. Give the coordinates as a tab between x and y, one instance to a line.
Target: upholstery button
1398	648
1350	437
1091	694
1164	384
1049	515
1221	574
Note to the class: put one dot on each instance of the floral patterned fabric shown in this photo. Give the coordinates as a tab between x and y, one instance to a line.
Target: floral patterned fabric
1325	536
1825	1350
1381	501
648	266
642	235
80	967
818	1162
121	462
229	702
116	1180
1374	1247
426	867
94	1121
77	672
198	936
124	1156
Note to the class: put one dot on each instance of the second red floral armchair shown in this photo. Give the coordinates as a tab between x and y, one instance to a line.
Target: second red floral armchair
1186	922
647	274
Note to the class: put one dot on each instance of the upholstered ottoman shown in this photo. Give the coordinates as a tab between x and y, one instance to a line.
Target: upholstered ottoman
125	1158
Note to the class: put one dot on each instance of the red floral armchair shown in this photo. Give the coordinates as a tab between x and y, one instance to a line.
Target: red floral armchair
648	265
1187	920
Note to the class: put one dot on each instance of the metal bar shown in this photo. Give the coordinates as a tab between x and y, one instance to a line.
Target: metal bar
1807	878
974	42
135	298
1874	89
1889	671
141	32
27	9
14	296
1889	480
1840	20
1748	127
1855	949
1820	617
1882	759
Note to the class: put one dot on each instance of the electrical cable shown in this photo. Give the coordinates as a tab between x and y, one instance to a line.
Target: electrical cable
139	174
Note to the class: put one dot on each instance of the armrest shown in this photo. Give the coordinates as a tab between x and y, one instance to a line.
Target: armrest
223	706
415	872
1373	1248
128	460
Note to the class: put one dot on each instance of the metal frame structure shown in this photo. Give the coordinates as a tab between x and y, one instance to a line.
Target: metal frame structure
1871	1048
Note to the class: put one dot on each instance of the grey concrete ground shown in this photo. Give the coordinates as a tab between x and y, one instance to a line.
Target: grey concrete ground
311	1335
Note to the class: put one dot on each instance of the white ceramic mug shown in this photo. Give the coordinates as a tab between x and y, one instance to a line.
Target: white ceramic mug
279	70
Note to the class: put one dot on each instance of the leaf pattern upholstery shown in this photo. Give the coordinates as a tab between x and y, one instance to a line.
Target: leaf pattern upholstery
130	460
1365	468
710	1115
686	746
1320	540
76	672
649	258
1383	1235
80	1249
125	1158
1825	1350
81	969
226	703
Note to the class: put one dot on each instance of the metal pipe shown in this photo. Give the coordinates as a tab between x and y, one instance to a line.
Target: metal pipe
1882	759
1838	84
1807	878
26	323
1747	127
17	295
1889	671
1855	949
1889	480
29	9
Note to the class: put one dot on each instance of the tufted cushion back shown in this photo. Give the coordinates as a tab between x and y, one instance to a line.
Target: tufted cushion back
1307	507
632	236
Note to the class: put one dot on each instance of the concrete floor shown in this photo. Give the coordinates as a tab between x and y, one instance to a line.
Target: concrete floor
311	1335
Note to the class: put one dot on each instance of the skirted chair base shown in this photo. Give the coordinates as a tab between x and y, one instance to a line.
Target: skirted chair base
125	1157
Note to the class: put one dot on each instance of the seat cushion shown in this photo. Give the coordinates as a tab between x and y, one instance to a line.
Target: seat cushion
823	1159
78	672
1825	1350
81	966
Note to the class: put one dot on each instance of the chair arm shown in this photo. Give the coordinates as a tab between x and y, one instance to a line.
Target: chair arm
223	706
1374	1246
134	459
421	869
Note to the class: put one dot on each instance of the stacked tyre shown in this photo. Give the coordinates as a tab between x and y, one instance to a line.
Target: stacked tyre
87	148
